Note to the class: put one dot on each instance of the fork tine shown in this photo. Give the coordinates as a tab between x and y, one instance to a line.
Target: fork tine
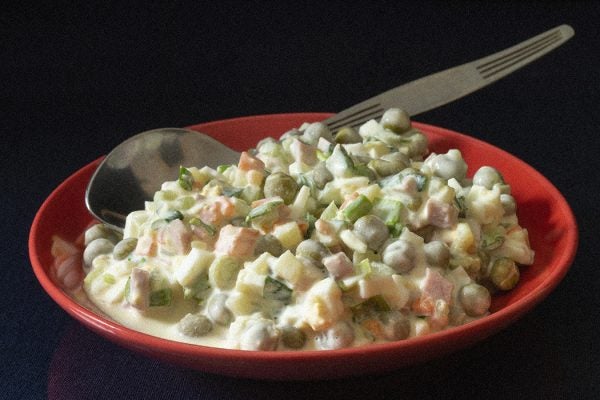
503	63
356	120
508	60
356	115
446	86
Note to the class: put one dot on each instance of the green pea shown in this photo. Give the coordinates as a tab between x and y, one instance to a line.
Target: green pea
312	250
95	248
98	231
504	274
217	309
437	253
124	248
508	203
269	244
321	175
194	325
282	185
347	135
372	230
386	168
396	120
293	337
395	326
487	177
475	299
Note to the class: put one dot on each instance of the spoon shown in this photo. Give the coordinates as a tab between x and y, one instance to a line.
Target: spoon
134	170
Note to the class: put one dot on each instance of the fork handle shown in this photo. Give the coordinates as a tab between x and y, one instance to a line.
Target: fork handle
446	86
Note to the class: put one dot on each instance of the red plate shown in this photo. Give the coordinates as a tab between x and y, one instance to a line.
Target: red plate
541	209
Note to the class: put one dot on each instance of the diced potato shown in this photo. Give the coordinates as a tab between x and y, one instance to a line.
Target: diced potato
463	239
300	205
393	290
369	129
223	271
419	327
288	267
372	192
250	282
289	234
323	304
484	205
254	177
195	263
133	224
261	264
516	247
348	186
242	303
353	241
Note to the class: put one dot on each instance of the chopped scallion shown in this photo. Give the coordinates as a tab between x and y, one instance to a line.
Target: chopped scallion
357	208
186	179
276	290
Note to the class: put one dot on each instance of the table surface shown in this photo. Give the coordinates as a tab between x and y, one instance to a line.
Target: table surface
77	81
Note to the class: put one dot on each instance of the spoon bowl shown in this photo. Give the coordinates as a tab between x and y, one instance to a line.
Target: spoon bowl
133	171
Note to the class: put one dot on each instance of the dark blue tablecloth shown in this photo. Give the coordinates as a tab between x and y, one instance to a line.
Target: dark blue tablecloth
77	80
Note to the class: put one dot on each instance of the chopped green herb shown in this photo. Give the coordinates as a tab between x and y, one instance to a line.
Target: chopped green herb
109	279
161	297
198	291
172	215
263	209
206	227
223	168
364	267
389	211
462	207
372	305
275	290
186	179
357	208
232	191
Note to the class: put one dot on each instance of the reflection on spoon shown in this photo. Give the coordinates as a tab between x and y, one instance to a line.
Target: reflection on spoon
135	169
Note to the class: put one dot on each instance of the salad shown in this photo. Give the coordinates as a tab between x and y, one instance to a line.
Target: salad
313	241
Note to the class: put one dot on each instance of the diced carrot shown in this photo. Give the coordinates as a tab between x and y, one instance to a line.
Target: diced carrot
236	241
219	209
176	236
247	162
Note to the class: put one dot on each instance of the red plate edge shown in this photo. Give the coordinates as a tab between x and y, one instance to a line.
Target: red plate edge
308	364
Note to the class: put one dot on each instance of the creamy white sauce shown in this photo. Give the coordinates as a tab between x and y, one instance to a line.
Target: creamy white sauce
198	246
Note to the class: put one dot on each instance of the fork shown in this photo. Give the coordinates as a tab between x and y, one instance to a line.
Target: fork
443	87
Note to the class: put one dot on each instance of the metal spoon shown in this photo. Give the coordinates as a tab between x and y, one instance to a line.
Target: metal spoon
134	170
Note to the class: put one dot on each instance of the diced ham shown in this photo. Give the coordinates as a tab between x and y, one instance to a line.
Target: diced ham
434	288
62	248
440	214
247	162
338	265
139	288
146	246
237	241
303	153
69	273
408	185
175	236
219	209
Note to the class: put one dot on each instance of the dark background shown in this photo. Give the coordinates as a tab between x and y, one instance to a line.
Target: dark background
77	80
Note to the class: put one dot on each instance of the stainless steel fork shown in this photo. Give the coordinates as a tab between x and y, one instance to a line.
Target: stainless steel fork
443	87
